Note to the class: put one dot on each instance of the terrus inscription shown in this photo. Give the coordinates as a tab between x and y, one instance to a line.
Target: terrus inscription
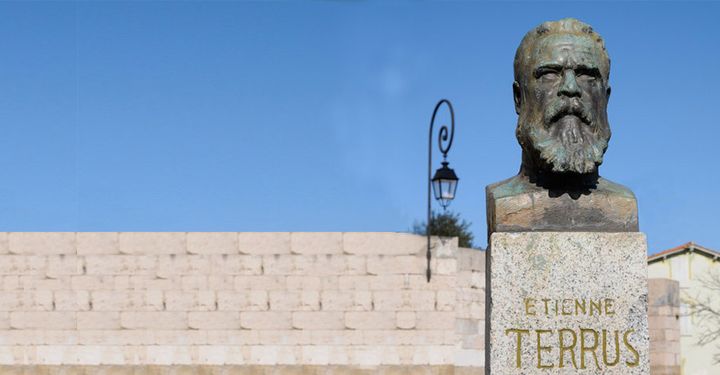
579	347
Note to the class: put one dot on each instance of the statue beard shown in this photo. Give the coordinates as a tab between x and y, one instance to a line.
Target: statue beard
565	138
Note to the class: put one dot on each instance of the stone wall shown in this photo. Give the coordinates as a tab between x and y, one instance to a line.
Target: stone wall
663	314
328	300
314	303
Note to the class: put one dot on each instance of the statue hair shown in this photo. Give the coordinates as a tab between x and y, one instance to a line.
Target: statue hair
563	26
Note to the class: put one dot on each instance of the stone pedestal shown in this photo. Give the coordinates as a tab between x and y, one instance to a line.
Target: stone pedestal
567	303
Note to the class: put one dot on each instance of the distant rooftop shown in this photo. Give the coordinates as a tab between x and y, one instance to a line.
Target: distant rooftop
690	247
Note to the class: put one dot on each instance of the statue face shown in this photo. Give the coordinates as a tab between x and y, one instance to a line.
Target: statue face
562	101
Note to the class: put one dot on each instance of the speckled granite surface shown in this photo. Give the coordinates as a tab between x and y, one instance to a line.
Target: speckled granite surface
574	302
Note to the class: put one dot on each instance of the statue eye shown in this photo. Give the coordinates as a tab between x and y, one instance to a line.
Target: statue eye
548	74
587	73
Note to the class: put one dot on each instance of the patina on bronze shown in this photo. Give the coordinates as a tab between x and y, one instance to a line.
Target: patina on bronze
561	92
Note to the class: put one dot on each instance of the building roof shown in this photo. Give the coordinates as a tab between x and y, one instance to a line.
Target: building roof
690	247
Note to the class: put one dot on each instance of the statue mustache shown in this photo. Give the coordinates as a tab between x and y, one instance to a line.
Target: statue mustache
560	108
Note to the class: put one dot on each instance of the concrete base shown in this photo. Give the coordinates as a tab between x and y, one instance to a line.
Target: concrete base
564	303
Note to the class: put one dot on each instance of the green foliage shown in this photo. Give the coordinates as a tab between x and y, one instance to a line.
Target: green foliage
447	224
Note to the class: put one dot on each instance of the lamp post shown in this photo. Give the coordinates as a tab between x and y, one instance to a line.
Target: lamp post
444	183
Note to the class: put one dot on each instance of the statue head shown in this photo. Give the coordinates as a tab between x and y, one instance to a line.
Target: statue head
561	91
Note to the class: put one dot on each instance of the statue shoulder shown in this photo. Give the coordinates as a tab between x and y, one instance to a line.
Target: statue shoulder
612	188
512	186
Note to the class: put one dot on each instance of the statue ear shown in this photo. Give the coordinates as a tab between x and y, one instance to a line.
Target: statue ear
608	93
517	96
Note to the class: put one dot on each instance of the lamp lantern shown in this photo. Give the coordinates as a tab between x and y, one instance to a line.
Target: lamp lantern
444	185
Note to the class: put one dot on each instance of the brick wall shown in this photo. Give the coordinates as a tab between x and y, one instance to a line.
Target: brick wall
664	325
254	299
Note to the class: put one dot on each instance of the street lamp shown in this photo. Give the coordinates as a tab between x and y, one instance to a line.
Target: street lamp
444	183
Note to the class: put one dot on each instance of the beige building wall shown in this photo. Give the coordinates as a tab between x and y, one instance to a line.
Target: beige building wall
688	268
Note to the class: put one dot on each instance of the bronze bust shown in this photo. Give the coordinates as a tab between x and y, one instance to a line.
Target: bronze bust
561	91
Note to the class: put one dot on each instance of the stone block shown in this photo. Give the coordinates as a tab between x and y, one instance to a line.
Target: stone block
306	300
471	259
393	265
41	243
200	300
4	246
433	354
446	266
337	300
149	243
220	282
23	265
266	320
471	359
466	327
36	300
663	292
149	282
120	265
405	320
407	337
384	243
264	243
75	300
437	282
268	282
318	320
9	282
42	320
277	264
182	264
306	243
430	320
474	342
362	301
214	320
90	320
558	295
325	264
10	301
61	265
212	242
304	283
93	282
672	334
370	320
126	300
252	300
155	320
387	300
28	282
445	300
235	265
234	337
97	243
332	337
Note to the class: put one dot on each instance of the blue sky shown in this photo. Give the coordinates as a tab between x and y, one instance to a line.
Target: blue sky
313	116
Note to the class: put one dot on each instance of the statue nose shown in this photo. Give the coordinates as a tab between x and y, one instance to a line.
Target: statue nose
569	86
